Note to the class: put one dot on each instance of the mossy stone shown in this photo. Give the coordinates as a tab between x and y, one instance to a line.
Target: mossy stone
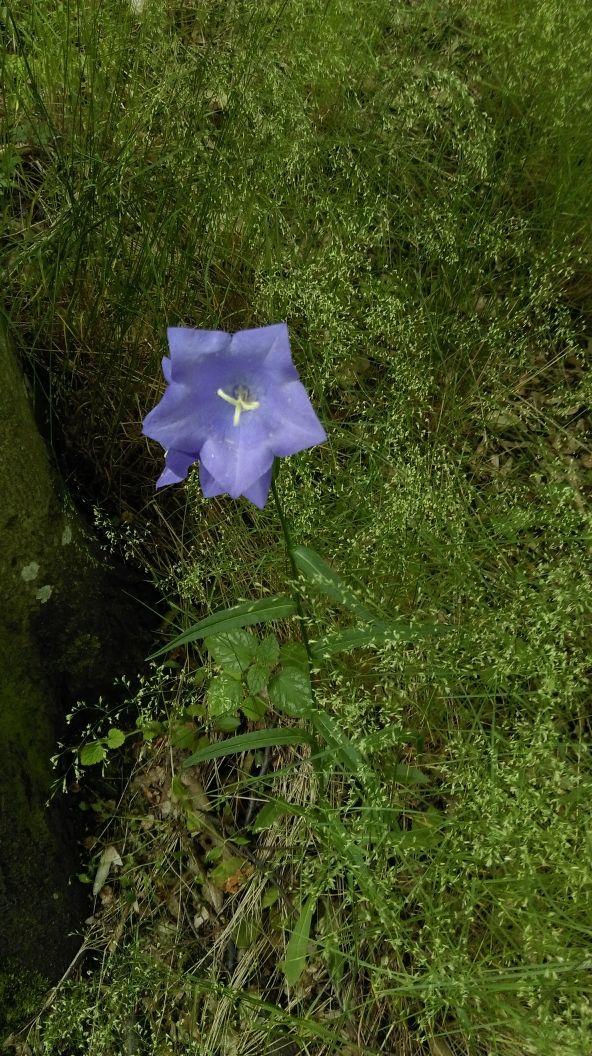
66	631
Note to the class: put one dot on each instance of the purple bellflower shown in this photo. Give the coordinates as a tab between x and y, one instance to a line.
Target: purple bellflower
233	402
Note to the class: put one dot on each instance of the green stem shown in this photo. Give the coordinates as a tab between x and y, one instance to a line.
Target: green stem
321	724
297	599
316	748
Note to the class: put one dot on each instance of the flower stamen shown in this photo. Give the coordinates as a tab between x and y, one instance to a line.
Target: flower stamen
240	403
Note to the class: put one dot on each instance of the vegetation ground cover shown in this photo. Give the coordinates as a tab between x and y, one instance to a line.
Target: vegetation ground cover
408	186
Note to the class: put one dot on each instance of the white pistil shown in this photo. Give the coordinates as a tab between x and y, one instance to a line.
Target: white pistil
239	404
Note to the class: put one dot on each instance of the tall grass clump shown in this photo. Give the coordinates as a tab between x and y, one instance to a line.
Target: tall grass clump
408	186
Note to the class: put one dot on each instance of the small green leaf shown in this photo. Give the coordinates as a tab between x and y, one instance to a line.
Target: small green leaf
228	867
253	708
270	897
336	962
257	677
251	612
246	933
233	651
407	775
226	723
249	742
178	789
193	820
224	696
267	815
151	729
92	753
214	854
196	710
268	651
388	737
425	833
115	738
289	692
294	961
184	735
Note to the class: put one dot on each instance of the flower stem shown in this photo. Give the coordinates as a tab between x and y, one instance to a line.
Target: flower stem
289	548
313	716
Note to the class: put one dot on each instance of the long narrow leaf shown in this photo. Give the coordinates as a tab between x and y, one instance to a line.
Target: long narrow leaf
320	574
249	612
245	742
329	729
376	634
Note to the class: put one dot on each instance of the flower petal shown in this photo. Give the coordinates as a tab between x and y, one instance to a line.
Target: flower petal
176	467
272	345
209	485
258	492
237	458
295	425
166	369
187	346
175	422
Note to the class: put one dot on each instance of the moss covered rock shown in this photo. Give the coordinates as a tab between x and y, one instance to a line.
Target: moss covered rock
66	630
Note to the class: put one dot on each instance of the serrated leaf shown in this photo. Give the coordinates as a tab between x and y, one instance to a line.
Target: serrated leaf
253	709
257	677
224	696
320	575
268	651
115	738
294	961
289	692
233	651
250	612
92	753
293	654
249	742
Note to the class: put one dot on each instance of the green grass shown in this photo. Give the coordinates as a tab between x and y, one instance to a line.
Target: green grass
408	186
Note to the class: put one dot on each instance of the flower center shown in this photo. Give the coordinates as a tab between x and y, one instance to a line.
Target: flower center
240	401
